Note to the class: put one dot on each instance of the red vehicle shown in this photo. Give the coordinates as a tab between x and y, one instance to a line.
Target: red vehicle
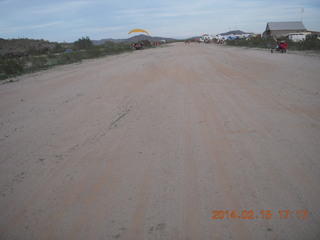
138	46
281	47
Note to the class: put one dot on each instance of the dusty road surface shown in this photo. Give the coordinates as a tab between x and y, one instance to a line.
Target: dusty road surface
149	144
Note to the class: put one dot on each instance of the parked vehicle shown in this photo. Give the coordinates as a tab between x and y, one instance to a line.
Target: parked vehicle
68	50
138	46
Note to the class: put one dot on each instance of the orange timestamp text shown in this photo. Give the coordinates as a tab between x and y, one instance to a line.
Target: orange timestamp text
263	214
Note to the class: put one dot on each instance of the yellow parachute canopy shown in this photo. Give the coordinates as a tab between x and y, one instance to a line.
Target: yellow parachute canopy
138	30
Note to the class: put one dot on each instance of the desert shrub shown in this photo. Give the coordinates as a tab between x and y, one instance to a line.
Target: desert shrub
110	47
114	48
58	48
51	55
71	57
11	66
252	42
44	50
94	52
32	50
28	61
38	62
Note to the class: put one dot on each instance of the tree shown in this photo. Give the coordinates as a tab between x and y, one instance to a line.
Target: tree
57	48
83	43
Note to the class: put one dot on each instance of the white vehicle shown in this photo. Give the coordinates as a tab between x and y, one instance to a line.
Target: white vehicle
297	37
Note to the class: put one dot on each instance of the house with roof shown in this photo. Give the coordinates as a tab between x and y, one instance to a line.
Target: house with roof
281	29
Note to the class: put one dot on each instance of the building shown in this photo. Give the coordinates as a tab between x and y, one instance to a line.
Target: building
281	29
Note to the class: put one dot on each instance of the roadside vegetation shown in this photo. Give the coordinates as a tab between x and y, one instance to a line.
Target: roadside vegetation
311	43
41	54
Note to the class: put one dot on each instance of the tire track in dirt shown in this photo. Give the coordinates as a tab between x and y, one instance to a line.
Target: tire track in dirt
210	128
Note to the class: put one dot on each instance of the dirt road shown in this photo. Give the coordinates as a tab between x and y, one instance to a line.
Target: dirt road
146	145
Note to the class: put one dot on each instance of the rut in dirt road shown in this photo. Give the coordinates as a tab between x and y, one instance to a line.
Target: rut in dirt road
187	141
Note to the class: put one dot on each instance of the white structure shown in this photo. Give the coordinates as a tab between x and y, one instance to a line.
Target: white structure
207	37
297	37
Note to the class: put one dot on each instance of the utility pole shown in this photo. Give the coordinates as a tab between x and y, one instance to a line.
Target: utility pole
302	11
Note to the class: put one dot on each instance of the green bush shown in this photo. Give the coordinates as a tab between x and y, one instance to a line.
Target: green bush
71	57
32	50
114	48
11	67
51	55
58	48
94	52
14	66
252	42
38	62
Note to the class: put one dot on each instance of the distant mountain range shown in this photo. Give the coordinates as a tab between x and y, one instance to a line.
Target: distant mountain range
235	32
133	39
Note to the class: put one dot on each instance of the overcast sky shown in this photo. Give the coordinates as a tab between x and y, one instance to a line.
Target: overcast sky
69	20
